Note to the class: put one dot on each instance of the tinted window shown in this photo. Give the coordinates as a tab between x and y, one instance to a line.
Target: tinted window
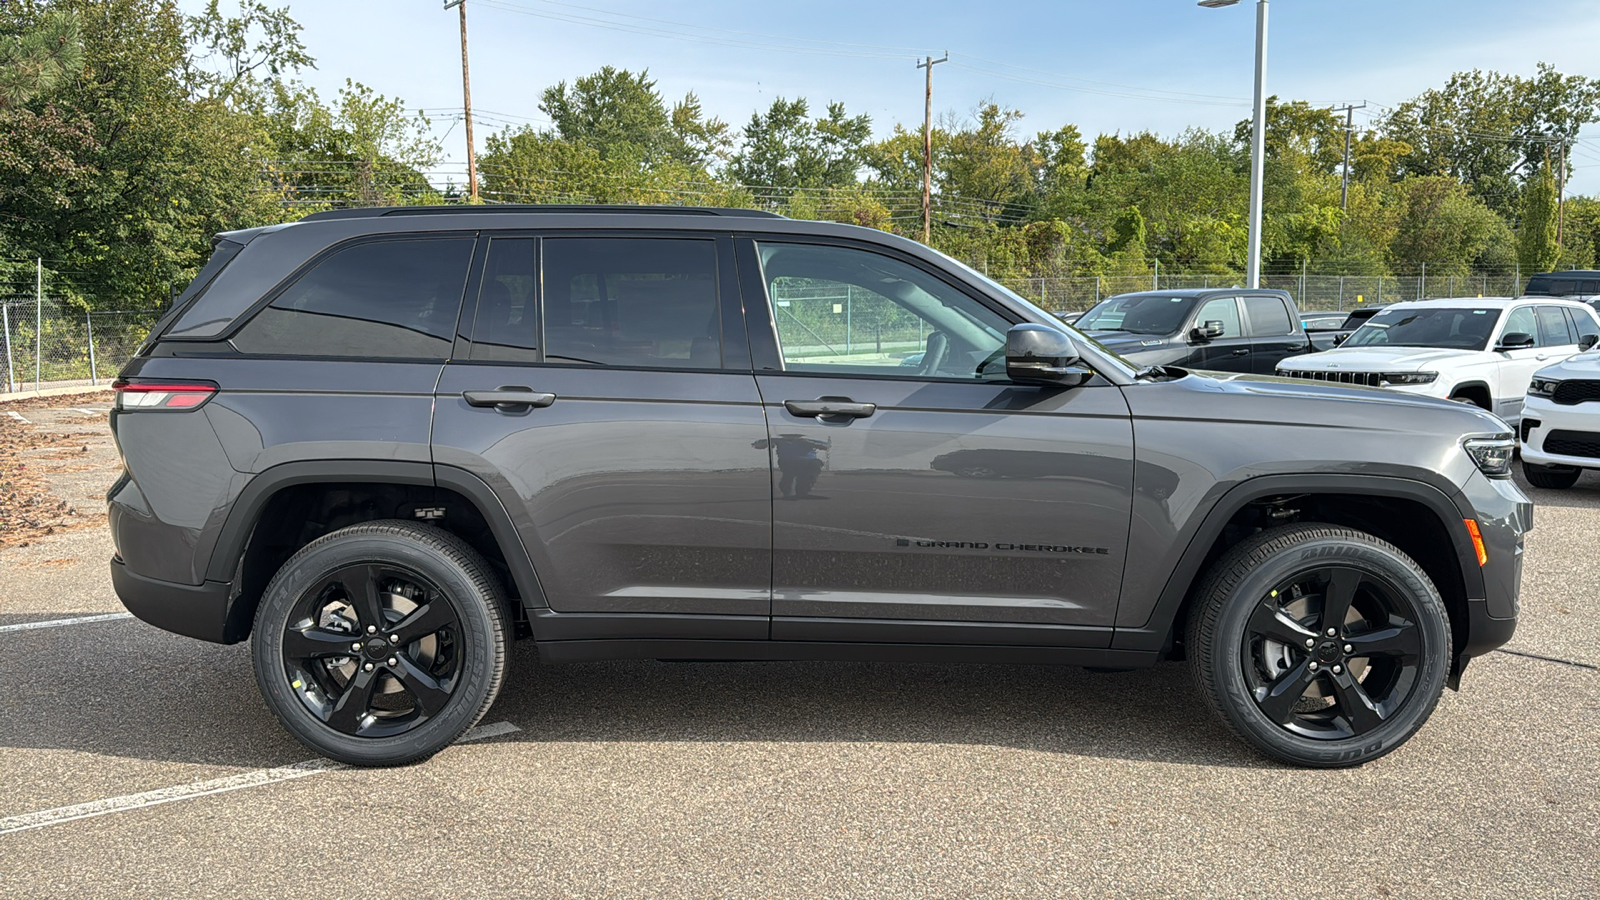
1268	316
839	309
1458	328
631	302
506	326
1553	328
1220	309
1521	321
1137	313
386	299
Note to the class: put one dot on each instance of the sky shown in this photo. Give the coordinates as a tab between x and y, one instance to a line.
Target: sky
1107	66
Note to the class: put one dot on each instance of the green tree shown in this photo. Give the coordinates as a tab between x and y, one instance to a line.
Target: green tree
1444	226
38	59
1537	250
785	148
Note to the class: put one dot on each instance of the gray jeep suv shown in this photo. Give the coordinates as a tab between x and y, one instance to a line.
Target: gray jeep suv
382	443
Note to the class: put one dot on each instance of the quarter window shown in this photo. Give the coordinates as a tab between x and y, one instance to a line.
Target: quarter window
844	310
396	299
648	302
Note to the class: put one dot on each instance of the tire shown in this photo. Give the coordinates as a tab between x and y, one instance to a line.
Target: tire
422	676
1324	706
1554	478
1471	401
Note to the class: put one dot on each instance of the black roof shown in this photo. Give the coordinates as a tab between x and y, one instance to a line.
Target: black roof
1569	273
371	212
1205	292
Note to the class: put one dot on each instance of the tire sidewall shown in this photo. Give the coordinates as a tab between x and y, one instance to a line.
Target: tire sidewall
478	643
1227	655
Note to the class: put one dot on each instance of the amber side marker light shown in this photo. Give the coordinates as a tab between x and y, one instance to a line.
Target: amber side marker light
1477	541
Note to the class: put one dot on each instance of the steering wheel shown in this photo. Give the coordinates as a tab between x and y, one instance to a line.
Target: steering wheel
938	350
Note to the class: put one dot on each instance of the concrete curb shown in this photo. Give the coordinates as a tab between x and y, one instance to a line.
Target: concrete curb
55	392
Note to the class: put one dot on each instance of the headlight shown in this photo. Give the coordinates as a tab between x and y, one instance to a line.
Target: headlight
1390	378
1491	455
1542	387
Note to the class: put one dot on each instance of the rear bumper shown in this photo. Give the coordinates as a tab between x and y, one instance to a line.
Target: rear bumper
203	611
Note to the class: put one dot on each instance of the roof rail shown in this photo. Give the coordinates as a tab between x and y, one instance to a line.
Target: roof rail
526	208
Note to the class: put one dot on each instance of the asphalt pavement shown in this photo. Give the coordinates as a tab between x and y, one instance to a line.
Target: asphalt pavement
139	763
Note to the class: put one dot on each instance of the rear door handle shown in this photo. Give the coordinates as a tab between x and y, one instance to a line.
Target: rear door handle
1242	351
830	407
509	398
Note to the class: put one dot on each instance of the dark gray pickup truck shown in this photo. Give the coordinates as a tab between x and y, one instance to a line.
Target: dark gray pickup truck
1218	329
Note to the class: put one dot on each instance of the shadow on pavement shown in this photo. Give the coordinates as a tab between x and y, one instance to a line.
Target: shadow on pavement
124	689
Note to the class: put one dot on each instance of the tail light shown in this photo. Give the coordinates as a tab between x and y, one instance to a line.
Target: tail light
165	396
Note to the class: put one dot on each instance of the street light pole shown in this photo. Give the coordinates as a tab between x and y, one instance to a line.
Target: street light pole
1258	134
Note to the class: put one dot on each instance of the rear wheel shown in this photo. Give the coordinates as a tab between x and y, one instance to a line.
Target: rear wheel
381	643
1555	478
1320	645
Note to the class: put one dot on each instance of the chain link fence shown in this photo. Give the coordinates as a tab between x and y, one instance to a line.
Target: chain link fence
1311	292
50	344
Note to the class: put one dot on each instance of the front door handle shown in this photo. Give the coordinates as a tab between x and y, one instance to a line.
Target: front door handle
830	407
509	398
1242	351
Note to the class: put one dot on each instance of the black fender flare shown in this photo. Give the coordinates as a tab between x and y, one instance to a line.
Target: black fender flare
1479	383
1156	632
246	509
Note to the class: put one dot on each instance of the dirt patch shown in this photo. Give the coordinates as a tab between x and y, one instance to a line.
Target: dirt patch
58	401
28	508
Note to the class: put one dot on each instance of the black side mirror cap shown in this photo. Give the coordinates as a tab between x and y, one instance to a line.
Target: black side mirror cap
1038	354
1341	338
1205	331
1587	342
1516	340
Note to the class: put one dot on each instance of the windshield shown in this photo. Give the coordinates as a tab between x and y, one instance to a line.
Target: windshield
1449	327
1138	314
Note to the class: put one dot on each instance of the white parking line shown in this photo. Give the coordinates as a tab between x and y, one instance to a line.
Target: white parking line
87	412
257	778
18	416
75	620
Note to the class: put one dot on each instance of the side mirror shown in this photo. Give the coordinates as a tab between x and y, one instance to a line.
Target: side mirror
1038	354
1587	342
1341	338
1205	331
1516	340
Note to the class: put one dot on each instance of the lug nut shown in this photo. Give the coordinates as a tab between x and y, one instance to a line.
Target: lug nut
368	667
1338	669
1314	666
1348	648
394	638
1311	642
1332	632
356	647
373	628
393	661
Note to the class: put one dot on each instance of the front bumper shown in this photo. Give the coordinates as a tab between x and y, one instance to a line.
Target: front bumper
203	611
1505	516
1541	416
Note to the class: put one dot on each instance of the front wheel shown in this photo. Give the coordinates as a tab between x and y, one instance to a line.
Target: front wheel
1554	478
380	644
1319	645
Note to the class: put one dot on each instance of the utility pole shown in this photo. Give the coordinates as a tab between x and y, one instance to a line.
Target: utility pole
1349	126
927	146
466	102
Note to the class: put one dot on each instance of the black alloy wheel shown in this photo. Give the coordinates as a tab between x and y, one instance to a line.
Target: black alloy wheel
1319	645
373	650
381	643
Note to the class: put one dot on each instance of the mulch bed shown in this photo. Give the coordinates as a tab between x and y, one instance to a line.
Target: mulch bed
28	508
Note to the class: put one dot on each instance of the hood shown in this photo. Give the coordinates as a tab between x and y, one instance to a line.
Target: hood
1128	342
1353	405
1584	365
1379	359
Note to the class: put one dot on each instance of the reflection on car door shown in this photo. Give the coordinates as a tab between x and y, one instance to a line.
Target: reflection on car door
923	502
635	472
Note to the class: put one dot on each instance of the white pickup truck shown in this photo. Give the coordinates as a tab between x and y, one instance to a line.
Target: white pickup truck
1479	350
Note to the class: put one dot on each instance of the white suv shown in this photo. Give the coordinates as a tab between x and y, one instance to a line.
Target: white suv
1561	422
1476	350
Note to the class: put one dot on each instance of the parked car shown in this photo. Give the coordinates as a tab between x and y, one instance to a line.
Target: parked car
1223	330
1477	350
381	443
1582	285
1561	422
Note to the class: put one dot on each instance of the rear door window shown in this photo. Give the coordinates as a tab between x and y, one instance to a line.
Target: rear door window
506	328
641	302
1268	316
389	299
1553	330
